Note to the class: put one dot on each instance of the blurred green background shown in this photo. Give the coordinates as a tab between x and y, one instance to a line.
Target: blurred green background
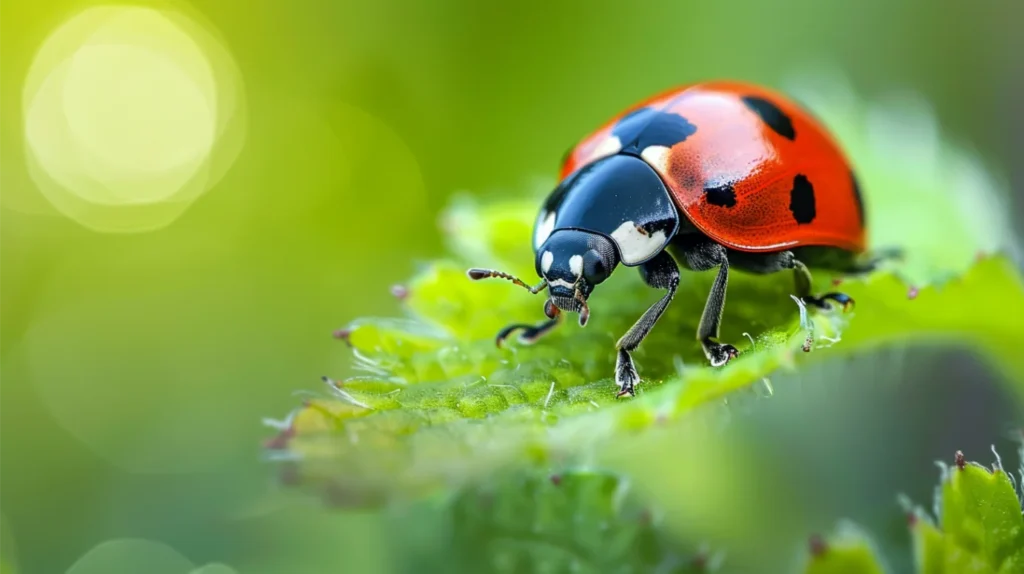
136	367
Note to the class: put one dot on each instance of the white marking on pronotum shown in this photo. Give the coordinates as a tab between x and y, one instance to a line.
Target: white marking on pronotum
576	265
545	225
657	156
635	245
551	391
546	260
608	146
560	283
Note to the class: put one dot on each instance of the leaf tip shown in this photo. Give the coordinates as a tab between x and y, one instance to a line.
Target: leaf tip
817	546
959	459
343	335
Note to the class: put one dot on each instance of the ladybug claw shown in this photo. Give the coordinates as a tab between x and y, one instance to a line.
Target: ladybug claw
625	375
719	354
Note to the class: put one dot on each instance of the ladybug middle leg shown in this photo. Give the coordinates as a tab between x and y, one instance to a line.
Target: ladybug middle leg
702	254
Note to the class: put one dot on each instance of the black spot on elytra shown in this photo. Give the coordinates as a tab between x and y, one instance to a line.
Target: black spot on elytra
857	197
771	115
722	196
646	127
801	200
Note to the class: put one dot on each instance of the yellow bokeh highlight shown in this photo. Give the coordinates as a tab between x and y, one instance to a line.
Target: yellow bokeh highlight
130	115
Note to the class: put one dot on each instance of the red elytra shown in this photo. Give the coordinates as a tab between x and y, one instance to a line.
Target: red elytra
734	143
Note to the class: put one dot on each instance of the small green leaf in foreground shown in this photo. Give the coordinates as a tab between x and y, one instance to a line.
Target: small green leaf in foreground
980	529
847	552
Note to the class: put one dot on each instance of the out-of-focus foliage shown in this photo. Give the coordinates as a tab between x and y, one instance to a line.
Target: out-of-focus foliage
131	555
979	528
576	521
8	555
848	551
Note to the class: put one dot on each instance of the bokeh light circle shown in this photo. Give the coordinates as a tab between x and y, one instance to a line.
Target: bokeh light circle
130	114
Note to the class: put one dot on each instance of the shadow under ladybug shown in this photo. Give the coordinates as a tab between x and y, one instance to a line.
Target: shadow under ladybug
713	175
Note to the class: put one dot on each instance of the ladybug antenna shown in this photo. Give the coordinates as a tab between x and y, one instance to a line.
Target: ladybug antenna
478	274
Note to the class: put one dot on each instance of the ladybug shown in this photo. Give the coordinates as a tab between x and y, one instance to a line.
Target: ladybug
720	174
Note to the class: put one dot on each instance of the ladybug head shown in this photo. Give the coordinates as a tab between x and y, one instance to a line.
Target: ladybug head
572	262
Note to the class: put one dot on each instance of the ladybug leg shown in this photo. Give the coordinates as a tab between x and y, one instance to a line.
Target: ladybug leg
660	273
802	275
711	319
702	254
530	333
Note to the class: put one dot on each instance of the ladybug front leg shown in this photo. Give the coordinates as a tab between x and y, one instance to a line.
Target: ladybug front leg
530	333
533	332
660	273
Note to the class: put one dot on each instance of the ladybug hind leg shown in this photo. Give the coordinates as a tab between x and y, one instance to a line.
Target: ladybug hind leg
802	277
765	263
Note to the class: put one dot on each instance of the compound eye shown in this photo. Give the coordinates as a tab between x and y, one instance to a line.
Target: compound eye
594	268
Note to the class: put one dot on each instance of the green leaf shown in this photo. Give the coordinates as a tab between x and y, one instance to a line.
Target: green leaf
848	551
981	532
436	397
436	403
576	521
982	526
